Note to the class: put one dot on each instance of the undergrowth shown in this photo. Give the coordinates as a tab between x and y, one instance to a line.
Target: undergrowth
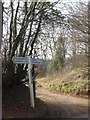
68	87
73	82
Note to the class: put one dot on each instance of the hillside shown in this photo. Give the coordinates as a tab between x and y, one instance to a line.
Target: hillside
73	82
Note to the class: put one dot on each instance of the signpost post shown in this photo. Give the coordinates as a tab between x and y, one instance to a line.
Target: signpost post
28	60
30	82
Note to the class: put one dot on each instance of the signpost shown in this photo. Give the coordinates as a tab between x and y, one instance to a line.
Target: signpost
28	60
25	60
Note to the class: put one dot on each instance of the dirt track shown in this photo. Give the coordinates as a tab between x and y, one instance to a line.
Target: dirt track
63	106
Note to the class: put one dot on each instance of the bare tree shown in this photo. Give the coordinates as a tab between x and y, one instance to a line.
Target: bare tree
0	60
0	42
77	32
25	24
89	41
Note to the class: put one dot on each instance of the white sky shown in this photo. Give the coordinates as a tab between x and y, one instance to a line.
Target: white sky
64	1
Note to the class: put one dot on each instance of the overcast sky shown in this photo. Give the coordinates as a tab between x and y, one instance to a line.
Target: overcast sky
50	0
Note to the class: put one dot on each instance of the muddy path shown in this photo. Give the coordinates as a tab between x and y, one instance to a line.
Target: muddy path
63	106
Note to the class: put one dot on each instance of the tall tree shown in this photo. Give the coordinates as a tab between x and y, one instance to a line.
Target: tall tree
24	27
0	61
89	41
78	20
0	42
59	61
77	32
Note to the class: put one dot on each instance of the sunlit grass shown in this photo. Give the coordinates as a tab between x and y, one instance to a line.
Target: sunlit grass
70	82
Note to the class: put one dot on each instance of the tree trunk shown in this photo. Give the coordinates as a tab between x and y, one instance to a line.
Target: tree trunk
0	33
89	41
0	61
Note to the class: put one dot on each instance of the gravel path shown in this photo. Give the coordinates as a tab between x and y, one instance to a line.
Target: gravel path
63	106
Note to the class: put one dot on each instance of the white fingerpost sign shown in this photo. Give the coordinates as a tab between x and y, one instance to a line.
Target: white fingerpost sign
20	60
37	61
28	60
